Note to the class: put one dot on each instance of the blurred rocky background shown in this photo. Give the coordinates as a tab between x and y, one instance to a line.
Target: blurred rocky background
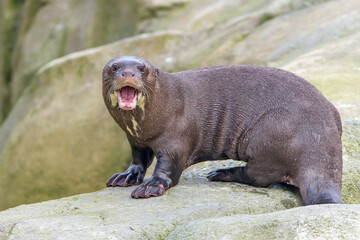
56	136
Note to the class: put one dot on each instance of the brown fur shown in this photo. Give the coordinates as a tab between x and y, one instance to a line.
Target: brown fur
276	121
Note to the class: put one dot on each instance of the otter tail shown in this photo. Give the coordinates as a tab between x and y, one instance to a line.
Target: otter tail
320	190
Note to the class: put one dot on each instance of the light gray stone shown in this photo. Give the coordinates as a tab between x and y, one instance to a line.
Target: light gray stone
52	138
311	222
194	209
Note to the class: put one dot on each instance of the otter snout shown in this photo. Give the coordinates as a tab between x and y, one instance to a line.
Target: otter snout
127	78
124	80
127	74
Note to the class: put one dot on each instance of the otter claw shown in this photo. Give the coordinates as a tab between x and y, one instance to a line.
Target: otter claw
154	187
133	176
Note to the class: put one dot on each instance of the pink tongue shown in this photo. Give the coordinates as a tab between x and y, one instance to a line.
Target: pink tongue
127	98
127	93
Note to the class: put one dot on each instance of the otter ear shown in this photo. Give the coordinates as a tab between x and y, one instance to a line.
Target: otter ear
156	71
143	69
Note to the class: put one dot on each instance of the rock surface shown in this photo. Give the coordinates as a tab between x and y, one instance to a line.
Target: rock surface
51	29
194	209
59	136
312	222
2	76
320	49
351	159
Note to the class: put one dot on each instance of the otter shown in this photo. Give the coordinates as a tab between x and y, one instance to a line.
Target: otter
274	120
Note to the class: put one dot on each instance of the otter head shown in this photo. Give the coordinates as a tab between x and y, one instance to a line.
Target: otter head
127	81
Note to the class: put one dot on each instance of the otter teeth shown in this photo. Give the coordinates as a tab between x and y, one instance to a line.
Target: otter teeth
116	101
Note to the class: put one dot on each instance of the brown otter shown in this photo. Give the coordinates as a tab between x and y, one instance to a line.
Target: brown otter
277	122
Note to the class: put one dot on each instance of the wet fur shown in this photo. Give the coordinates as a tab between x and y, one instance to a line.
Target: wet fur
277	122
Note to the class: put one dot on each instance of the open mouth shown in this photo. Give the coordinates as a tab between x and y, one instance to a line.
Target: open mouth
127	97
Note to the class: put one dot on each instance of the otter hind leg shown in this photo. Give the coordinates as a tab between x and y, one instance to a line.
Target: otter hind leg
233	174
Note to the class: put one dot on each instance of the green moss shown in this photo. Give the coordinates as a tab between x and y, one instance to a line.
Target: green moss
204	56
75	198
113	20
11	230
287	203
7	166
80	72
11	19
351	189
330	86
30	11
223	14
162	16
3	87
351	139
351	173
162	236
61	50
266	17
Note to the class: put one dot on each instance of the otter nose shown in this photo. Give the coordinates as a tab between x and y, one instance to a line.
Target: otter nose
127	74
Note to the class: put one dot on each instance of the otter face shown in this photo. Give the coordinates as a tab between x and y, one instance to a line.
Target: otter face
125	81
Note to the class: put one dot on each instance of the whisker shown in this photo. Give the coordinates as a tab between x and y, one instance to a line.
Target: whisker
147	92
107	80
151	90
109	91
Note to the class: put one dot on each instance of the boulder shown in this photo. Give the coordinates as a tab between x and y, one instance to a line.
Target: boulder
51	29
2	75
311	222
194	209
351	159
319	49
112	212
59	139
9	16
59	136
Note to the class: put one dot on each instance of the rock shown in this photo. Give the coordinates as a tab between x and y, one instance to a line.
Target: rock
194	209
2	75
351	171
59	139
318	50
334	69
53	130
112	212
9	19
51	29
195	16
311	222
163	4
280	48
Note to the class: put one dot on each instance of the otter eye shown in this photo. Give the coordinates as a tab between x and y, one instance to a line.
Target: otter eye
115	67
141	68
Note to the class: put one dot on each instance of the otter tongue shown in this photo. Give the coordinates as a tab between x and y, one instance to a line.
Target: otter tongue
127	98
127	93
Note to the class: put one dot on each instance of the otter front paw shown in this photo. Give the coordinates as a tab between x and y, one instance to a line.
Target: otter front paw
154	187
134	175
